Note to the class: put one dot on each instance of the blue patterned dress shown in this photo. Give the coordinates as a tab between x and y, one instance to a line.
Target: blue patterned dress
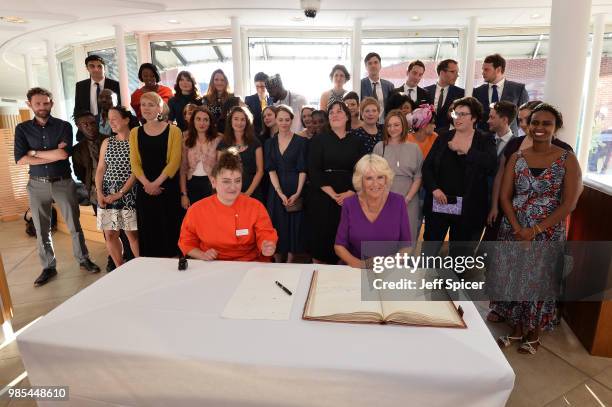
520	272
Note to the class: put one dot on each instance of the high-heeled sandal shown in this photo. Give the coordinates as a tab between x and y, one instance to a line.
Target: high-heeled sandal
506	340
527	347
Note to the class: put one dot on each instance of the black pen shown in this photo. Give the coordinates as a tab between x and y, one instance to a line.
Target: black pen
285	289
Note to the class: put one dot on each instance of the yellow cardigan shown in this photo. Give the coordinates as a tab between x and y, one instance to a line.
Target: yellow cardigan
173	157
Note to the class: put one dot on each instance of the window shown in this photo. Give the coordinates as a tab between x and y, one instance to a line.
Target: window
303	63
41	72
112	70
397	53
599	164
200	57
68	81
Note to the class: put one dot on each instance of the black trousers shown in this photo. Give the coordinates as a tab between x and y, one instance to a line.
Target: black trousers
198	188
463	235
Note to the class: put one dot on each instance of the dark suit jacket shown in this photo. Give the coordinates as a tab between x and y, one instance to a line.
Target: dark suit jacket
81	93
513	92
480	162
83	165
454	93
366	87
254	105
423	96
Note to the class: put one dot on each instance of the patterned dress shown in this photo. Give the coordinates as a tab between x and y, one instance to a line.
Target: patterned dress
521	272
334	97
369	140
121	214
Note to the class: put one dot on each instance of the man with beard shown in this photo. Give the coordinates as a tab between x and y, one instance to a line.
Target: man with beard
44	144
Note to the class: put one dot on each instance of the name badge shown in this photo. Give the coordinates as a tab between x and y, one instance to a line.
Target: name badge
242	232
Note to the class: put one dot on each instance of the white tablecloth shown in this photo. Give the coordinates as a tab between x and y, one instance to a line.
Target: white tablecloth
149	335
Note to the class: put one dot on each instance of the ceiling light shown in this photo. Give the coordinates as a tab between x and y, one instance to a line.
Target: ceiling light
13	19
174	21
415	18
536	15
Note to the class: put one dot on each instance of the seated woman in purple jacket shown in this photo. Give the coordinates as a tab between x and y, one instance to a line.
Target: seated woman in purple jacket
374	214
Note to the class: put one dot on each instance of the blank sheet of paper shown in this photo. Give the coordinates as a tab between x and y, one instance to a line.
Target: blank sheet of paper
258	297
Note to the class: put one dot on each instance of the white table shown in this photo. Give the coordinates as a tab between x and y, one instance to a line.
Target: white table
148	335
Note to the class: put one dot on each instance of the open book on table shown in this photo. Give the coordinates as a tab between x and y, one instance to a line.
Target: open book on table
335	295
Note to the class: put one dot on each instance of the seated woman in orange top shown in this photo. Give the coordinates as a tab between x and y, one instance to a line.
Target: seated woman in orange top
228	225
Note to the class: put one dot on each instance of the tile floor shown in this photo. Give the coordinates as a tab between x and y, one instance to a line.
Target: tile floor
561	374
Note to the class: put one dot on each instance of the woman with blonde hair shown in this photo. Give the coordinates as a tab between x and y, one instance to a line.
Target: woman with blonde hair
374	214
155	157
370	132
405	160
218	98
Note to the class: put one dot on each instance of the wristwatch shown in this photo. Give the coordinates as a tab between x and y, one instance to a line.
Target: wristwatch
183	193
34	153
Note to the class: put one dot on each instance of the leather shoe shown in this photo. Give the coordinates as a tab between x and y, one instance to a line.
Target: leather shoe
46	275
90	266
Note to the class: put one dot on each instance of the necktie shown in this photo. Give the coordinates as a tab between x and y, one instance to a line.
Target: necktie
410	94
494	95
440	101
264	104
97	96
374	94
498	142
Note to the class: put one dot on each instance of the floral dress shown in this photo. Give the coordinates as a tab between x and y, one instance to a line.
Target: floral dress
524	280
121	214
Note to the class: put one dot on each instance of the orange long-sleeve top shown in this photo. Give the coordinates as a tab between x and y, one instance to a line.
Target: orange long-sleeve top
236	232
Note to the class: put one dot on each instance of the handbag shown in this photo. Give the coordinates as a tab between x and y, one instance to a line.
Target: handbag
453	207
297	206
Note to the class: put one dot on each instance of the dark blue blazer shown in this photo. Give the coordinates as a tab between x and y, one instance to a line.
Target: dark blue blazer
454	93
366	88
254	105
514	92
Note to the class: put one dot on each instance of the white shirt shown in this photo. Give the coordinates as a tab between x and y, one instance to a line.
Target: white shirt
296	102
412	95
500	89
381	99
503	140
93	102
437	95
